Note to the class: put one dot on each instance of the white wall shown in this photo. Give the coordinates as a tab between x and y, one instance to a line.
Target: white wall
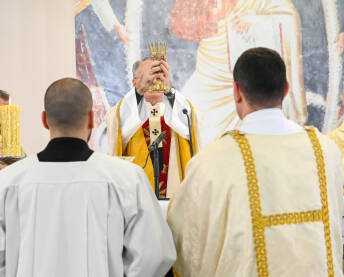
37	47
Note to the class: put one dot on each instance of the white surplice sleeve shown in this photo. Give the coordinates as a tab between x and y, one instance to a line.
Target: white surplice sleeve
174	116
130	116
148	244
130	121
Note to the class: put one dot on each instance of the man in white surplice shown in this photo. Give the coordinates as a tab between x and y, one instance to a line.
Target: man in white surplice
72	212
270	200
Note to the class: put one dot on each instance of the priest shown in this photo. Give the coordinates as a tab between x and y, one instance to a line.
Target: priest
141	116
69	211
269	201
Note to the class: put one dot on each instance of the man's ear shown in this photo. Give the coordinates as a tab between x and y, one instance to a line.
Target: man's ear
91	120
237	93
286	90
134	81
44	120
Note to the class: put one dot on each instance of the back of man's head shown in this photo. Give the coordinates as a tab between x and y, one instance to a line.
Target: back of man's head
261	76
4	97
67	104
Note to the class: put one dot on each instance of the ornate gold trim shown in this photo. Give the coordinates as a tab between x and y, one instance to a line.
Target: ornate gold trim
260	221
323	193
293	218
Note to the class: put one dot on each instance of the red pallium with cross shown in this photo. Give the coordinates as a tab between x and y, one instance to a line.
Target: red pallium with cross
166	145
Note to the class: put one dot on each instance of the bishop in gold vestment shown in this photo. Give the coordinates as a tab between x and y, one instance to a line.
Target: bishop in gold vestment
136	121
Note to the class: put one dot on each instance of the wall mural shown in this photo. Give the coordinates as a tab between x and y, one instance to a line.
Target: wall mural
205	38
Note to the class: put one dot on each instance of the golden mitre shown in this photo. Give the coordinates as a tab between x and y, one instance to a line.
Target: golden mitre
157	51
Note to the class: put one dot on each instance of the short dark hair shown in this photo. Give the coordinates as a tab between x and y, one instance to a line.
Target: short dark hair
67	102
261	75
4	95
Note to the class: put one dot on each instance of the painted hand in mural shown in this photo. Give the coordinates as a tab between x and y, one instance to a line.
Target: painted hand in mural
340	43
123	33
241	26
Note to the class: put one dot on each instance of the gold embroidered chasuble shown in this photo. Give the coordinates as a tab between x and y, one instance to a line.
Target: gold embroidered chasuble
260	205
180	152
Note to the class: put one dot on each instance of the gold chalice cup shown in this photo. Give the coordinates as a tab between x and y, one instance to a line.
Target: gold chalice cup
157	51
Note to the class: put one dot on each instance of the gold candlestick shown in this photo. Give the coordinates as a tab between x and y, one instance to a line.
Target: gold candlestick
10	132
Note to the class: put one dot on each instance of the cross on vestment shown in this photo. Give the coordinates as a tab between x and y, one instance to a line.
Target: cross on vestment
154	112
155	132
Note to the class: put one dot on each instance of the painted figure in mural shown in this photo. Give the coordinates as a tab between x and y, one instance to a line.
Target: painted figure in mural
225	29
141	116
337	135
106	15
109	20
129	32
105	52
290	216
340	42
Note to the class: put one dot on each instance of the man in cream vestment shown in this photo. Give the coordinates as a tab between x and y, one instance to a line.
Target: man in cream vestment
71	212
141	116
264	200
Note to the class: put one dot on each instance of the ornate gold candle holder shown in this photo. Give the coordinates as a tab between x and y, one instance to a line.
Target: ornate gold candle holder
11	150
157	51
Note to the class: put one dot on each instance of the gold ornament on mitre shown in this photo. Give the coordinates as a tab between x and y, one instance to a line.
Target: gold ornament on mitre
11	150
157	51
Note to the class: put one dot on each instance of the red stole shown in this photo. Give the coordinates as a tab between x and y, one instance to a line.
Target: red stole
166	145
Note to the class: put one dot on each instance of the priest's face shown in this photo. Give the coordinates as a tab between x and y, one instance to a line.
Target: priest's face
153	97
